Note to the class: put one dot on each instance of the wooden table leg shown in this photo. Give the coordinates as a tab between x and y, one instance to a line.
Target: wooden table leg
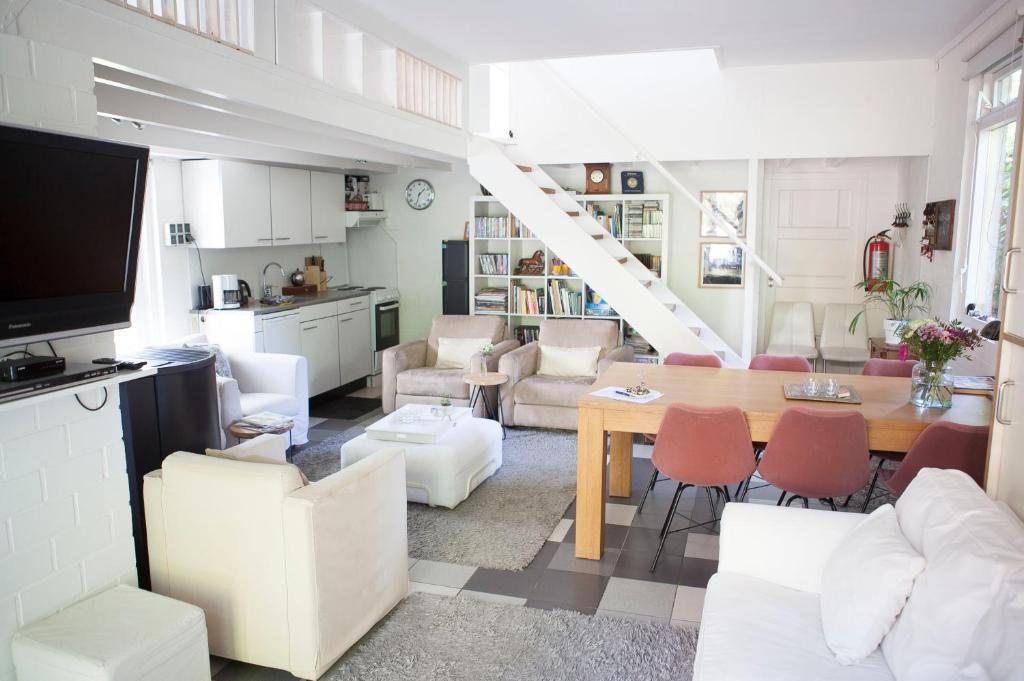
620	475
590	479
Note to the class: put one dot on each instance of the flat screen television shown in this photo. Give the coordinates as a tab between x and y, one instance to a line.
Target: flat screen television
70	221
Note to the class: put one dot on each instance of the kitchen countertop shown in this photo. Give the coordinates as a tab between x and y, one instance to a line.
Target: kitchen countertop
328	296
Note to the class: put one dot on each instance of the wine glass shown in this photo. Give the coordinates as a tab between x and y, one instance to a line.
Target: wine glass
811	386
831	386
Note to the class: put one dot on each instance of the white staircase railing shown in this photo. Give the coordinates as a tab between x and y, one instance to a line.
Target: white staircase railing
556	218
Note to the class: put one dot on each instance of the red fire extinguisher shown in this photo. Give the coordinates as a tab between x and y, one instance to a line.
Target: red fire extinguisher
876	259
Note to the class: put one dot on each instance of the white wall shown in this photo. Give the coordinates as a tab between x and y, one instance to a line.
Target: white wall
682	106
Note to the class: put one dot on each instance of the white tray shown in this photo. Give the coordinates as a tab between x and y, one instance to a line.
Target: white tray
415	423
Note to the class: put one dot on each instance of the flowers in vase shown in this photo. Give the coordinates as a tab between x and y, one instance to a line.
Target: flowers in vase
937	342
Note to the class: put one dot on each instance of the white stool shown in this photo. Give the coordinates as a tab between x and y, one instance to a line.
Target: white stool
443	473
122	634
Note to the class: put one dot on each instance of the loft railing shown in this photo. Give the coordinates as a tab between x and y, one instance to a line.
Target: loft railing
227	21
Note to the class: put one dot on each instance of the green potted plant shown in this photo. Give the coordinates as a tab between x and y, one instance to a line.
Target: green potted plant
900	303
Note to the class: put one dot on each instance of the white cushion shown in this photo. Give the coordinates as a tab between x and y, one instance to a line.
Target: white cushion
865	584
568	362
122	634
754	630
961	605
455	353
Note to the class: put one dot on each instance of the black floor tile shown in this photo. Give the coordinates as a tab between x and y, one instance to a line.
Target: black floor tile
637	565
571	511
343	407
646	540
544	556
614	535
547	605
571	588
504	582
697	571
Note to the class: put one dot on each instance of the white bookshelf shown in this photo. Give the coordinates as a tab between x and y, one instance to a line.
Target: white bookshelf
514	248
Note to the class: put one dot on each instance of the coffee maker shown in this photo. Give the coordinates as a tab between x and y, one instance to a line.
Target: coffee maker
225	292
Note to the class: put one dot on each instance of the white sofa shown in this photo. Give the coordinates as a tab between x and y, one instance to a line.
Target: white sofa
289	576
964	619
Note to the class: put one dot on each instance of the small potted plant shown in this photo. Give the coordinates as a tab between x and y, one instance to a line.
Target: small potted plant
900	302
446	405
936	344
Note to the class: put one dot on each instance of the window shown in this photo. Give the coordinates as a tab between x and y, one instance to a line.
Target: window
428	91
993	176
226	21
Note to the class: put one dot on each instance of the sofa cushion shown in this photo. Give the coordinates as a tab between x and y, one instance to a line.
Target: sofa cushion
975	557
433	382
491	327
578	333
455	353
754	629
865	585
568	362
551	391
254	403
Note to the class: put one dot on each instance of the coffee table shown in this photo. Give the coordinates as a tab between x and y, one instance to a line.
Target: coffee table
478	383
241	431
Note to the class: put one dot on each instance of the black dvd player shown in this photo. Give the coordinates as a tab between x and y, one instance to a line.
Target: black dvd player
73	374
26	368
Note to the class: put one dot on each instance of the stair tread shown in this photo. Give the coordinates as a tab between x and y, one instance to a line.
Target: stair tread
572	213
547	190
525	169
647	284
597	237
623	261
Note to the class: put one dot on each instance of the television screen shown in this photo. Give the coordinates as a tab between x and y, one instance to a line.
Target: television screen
69	233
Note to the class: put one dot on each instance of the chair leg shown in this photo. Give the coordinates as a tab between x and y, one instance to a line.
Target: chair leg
781	497
806	505
871	487
650	487
829	501
668	522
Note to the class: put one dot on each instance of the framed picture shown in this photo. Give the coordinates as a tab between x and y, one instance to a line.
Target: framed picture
731	206
939	220
721	266
356	189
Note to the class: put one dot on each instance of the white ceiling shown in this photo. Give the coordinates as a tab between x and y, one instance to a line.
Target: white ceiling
748	32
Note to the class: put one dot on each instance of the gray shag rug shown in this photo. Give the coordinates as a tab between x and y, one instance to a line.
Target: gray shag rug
435	638
505	521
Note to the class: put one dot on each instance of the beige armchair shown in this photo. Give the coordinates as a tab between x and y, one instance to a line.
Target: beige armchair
530	399
289	576
411	377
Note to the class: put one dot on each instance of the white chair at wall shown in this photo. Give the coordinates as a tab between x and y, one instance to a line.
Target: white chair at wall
260	381
289	575
792	331
837	343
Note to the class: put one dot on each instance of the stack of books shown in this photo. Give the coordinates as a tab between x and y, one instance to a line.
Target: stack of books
643	220
493	263
611	222
651	262
491	228
598	306
527	334
519	230
563	301
267	421
527	301
492	300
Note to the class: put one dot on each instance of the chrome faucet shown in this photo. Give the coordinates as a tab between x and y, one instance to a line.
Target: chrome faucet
267	292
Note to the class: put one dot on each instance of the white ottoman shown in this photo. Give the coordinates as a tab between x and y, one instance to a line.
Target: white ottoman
122	634
443	473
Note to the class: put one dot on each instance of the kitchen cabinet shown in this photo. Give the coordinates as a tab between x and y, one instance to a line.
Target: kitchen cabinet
354	345
290	211
327	206
227	203
320	348
282	333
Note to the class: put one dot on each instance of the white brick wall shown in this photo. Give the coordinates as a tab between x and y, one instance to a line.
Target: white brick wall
65	523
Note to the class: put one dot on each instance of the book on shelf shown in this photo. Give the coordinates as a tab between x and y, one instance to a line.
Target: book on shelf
518	230
493	263
491	300
527	334
563	301
485	227
610	221
597	306
643	220
651	262
527	301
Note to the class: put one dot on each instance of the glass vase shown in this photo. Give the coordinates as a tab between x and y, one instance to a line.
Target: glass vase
931	386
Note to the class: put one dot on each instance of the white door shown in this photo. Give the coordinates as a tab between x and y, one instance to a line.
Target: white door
281	333
289	206
246	195
813	233
354	345
327	203
320	348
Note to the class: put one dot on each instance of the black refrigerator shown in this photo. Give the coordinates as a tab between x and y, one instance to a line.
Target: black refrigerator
455	277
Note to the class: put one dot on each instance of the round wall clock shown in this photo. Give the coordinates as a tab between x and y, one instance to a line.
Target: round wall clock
419	194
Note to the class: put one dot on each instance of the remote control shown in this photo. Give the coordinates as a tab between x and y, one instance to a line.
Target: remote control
105	360
130	366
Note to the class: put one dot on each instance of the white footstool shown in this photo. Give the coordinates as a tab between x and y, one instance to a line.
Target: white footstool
122	634
443	473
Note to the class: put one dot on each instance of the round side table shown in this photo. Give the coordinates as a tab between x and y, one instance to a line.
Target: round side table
478	382
240	431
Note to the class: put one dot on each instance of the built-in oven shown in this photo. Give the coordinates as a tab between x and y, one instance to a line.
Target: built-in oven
385	324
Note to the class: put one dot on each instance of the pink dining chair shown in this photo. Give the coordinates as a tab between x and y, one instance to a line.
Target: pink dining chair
899	368
780	363
681	359
942	444
705	447
816	454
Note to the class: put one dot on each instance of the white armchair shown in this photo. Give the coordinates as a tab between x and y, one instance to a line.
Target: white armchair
261	381
289	576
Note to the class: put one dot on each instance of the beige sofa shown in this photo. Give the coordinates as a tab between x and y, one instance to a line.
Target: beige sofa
530	399
410	377
289	576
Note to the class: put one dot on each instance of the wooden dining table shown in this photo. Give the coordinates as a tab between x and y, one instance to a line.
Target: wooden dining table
892	422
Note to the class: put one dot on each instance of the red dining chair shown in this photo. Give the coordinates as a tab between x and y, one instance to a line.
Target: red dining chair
942	444
780	363
684	360
899	368
816	454
705	447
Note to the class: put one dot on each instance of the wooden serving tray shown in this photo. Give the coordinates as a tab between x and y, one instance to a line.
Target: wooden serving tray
795	391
